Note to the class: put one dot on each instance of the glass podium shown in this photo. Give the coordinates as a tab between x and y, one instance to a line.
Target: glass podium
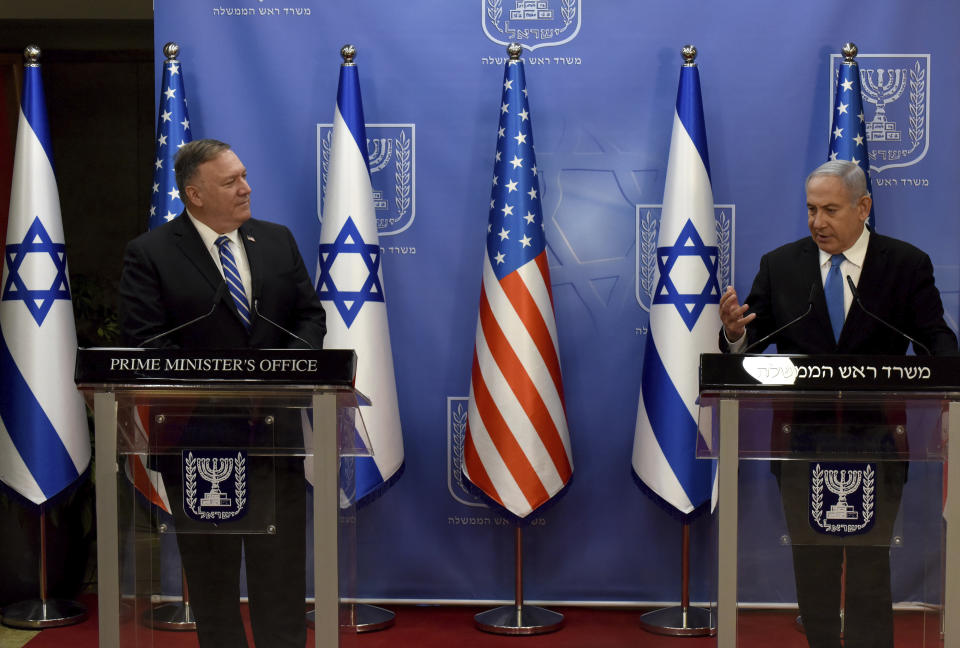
837	471
253	445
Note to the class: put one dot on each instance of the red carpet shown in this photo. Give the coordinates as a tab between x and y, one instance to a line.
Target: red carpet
446	626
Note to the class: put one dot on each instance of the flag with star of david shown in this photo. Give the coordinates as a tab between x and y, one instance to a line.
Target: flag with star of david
44	438
517	445
684	315
350	284
173	131
848	132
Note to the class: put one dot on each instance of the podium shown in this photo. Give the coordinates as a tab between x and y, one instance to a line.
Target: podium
788	434
268	413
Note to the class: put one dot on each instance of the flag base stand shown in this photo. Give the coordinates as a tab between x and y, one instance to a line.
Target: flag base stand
364	618
682	620
518	619
370	618
43	613
679	621
175	616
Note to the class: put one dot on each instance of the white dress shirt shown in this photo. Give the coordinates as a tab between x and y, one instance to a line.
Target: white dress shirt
236	247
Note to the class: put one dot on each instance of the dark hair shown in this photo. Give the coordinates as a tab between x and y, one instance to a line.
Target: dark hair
192	155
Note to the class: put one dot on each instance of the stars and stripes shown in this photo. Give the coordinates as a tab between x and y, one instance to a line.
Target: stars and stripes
350	282
173	131
848	129
44	439
517	446
684	314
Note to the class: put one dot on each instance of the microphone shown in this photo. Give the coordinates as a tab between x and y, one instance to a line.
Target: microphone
217	296
256	309
856	296
813	291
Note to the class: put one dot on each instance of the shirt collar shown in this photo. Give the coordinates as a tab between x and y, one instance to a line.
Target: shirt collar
855	254
209	236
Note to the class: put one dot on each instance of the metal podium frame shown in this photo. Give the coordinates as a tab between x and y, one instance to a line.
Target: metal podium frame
324	399
728	400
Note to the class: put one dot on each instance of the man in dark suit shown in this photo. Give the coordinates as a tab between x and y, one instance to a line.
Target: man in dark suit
895	281
214	250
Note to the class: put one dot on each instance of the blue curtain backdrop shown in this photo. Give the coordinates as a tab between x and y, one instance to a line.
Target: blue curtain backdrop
602	80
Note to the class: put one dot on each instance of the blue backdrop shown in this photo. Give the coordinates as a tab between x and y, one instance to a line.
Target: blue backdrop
602	81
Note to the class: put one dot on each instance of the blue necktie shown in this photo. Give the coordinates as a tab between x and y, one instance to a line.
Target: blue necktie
833	289
234	283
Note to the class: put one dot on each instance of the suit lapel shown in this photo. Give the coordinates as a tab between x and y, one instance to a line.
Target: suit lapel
191	246
810	267
869	287
254	257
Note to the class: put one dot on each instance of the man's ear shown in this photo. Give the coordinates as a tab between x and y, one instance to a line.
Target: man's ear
194	195
863	207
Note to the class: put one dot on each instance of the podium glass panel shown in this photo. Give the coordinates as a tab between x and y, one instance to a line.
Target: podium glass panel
839	509
218	474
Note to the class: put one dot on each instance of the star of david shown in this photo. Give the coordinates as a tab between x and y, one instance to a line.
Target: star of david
689	305
38	302
348	302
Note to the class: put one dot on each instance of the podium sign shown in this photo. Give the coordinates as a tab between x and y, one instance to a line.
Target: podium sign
228	431
847	452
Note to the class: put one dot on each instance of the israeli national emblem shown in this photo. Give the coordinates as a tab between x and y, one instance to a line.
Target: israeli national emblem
456	434
532	23
896	105
214	484
648	231
842	498
392	153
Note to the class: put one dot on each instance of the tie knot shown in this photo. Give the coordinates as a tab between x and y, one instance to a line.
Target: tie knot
222	240
835	260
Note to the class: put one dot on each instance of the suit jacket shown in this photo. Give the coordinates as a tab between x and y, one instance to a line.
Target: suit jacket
169	278
896	284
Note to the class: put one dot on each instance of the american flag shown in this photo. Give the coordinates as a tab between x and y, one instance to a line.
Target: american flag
848	132
517	447
173	131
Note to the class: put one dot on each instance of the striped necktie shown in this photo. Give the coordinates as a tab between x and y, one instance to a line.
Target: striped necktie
234	283
833	289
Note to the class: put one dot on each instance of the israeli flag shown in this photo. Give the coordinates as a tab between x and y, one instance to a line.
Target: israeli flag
684	315
350	283
44	438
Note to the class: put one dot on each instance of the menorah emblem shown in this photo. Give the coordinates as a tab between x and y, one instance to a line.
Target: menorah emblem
881	91
379	150
842	483
215	470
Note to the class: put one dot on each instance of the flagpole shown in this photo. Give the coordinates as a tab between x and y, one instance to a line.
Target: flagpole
43	612
518	619
682	620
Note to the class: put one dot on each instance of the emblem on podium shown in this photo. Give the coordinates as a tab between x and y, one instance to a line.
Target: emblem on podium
214	484
842	497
